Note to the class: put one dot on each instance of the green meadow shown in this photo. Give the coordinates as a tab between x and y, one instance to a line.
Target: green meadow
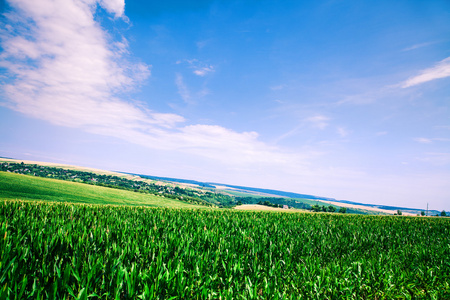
25	187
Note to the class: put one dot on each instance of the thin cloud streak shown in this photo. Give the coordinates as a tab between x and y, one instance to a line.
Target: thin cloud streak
417	46
440	70
183	91
423	140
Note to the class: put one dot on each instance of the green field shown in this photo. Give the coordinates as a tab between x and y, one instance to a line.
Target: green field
25	187
61	244
55	250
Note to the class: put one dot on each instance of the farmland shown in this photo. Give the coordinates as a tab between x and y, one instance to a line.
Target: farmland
66	251
205	196
24	187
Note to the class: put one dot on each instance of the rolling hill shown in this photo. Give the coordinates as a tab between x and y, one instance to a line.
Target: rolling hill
24	187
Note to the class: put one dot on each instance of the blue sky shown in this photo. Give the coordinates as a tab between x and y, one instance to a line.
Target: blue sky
344	99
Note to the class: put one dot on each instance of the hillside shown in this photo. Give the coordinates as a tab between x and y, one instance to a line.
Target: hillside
24	187
190	191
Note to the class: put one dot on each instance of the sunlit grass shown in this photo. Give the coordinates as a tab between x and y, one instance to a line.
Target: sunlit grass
63	251
24	187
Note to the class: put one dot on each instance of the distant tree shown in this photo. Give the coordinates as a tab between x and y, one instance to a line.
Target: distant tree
315	208
443	214
331	208
422	213
399	212
343	210
239	202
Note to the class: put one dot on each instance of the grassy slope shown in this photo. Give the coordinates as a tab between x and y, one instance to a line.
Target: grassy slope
24	187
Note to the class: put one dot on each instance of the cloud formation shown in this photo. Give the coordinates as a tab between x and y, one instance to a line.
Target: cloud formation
64	68
440	70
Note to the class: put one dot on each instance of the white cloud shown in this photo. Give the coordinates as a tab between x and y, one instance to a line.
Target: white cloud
116	7
440	70
65	71
423	140
63	68
199	68
318	121
203	70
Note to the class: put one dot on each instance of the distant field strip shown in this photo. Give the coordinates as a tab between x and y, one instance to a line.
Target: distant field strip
24	187
67	251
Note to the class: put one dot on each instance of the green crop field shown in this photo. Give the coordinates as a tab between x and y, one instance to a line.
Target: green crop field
55	250
25	187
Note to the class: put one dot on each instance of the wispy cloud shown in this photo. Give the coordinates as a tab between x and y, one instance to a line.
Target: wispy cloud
183	90
436	158
318	121
417	46
278	87
342	132
315	121
440	70
62	67
202	71
442	127
202	44
199	68
423	140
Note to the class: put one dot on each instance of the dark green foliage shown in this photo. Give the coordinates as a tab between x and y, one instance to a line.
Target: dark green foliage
331	208
67	251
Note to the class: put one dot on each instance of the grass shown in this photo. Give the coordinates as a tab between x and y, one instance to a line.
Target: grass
24	187
74	251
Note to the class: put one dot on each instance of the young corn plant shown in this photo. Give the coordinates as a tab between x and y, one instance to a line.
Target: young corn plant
81	251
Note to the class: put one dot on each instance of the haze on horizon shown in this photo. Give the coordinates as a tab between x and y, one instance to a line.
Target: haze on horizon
342	99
